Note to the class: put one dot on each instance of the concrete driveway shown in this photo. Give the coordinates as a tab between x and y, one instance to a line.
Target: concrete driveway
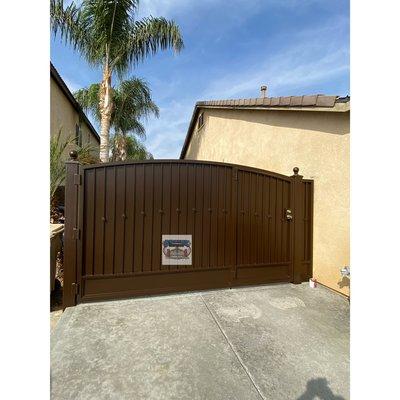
268	342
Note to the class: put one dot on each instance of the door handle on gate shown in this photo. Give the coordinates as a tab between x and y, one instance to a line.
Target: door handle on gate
289	215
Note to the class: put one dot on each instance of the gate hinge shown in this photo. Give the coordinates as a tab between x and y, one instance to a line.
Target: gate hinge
77	234
77	179
75	288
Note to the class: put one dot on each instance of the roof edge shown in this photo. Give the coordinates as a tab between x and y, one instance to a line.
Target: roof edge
64	88
343	106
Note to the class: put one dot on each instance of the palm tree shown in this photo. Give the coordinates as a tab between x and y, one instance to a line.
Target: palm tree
132	102
106	34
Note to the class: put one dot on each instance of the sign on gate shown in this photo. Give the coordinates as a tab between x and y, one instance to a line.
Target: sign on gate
176	249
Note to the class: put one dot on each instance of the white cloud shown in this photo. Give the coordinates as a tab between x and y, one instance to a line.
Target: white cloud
315	58
168	8
173	7
293	68
165	135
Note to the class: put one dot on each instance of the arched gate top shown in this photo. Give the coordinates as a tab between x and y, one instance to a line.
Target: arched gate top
188	162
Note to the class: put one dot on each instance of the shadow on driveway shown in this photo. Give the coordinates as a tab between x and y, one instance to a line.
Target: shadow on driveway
318	389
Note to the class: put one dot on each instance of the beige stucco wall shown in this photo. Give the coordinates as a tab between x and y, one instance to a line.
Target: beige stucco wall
63	115
316	142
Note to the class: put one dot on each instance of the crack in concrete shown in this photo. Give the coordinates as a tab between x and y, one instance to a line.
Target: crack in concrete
233	349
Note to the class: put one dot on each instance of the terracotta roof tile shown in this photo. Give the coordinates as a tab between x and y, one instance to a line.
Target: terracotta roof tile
259	101
284	101
309	101
274	101
325	101
296	101
318	100
267	101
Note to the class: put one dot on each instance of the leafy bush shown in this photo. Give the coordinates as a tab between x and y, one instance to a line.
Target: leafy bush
58	157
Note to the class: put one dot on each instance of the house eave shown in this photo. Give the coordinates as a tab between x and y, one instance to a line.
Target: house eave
64	88
340	107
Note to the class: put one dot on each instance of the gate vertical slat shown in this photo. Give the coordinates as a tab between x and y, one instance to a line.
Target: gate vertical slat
167	187
148	217
109	215
191	204
287	226
99	224
120	219
264	218
104	220
157	216
126	216
240	217
279	220
221	216
259	218
273	221
183	196
260	200
252	210
89	223
228	215
175	190
206	218
198	244
214	218
247	218
234	227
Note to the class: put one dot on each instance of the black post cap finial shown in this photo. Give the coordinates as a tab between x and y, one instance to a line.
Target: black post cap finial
295	170
73	155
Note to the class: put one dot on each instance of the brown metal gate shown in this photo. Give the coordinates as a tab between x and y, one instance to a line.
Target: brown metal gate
239	219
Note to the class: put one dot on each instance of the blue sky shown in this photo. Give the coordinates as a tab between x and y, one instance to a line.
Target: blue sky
295	47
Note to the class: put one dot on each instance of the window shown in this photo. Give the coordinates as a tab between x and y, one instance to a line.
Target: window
78	135
200	121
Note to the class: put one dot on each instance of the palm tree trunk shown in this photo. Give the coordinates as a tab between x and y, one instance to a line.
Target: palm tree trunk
120	147
123	147
106	105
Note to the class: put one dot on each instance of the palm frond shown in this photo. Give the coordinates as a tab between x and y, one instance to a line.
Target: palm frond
133	102
57	161
88	98
67	21
86	154
147	36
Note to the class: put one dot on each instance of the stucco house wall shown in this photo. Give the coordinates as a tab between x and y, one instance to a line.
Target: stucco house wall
65	115
315	141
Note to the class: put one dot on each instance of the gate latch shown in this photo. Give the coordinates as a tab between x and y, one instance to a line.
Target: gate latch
289	215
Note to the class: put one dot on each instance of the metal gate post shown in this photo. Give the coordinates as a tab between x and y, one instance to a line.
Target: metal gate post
71	231
298	232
